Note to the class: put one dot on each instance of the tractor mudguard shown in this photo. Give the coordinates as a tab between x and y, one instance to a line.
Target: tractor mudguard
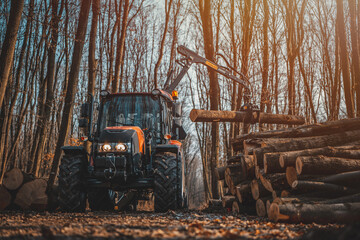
174	148
74	150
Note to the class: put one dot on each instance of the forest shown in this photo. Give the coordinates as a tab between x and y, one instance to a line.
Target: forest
301	58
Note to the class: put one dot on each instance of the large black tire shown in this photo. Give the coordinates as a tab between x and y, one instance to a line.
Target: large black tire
167	189
101	199
72	193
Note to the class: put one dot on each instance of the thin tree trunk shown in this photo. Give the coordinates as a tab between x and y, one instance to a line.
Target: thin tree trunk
162	43
51	67
344	59
355	52
71	88
117	82
8	46
206	19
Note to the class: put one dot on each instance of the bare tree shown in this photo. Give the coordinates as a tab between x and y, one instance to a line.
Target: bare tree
355	52
214	93
168	5
71	88
344	59
8	46
117	81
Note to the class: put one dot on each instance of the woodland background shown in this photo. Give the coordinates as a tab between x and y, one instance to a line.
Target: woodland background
301	56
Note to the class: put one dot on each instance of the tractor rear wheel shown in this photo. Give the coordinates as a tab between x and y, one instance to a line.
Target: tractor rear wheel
167	181
101	199
72	196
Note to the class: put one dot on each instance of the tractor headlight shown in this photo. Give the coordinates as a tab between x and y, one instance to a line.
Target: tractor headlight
105	148
121	147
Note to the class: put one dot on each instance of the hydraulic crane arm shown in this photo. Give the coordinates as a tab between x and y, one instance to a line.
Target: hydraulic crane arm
191	57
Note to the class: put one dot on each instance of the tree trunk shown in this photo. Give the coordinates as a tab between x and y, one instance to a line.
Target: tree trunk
206	20
168	5
312	186
273	181
197	115
344	59
318	213
346	199
220	173
288	159
306	143
8	46
91	58
303	131
348	179
325	165
265	68
271	163
71	88
117	82
51	67
32	195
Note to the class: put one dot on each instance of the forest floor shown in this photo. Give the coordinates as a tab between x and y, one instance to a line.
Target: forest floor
148	225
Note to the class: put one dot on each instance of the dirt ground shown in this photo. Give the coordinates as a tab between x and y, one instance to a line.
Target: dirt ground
170	225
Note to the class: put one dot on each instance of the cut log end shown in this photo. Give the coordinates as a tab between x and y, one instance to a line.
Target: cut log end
13	179
260	208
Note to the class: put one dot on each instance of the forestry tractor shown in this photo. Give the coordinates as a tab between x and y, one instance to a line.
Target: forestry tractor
135	151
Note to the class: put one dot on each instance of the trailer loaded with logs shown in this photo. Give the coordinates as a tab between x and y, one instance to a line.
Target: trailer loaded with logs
306	174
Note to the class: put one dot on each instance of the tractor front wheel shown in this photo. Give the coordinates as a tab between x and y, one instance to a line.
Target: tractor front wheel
168	187
72	196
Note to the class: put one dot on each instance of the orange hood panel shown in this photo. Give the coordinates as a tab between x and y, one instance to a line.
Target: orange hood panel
139	133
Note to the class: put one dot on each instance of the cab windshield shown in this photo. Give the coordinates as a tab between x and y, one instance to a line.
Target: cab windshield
131	110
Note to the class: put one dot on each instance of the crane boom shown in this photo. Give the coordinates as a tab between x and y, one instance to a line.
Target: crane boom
191	57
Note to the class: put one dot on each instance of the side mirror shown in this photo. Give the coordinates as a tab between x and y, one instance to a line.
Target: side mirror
85	110
83	123
177	110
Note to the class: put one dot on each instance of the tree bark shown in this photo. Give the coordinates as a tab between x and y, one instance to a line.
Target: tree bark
271	163
312	186
288	159
318	213
197	115
206	20
71	88
355	52
117	81
325	165
273	181
303	131
51	67
344	59
348	179
8	46
168	5
307	142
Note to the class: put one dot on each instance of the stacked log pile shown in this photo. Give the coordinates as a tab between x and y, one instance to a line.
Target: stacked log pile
22	191
305	174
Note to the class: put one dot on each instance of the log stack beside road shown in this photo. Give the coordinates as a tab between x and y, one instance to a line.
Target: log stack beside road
22	191
306	174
